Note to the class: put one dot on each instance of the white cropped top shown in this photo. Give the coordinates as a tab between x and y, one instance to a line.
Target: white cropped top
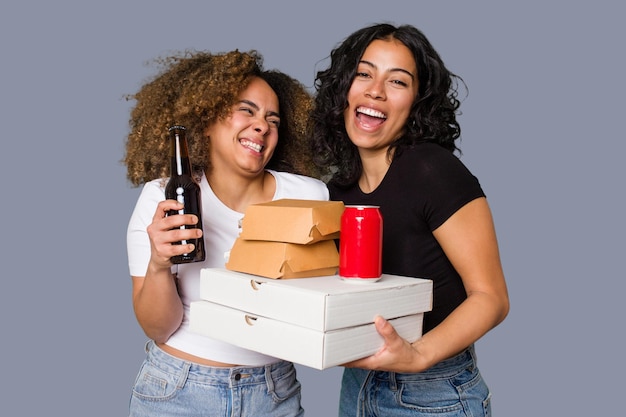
221	228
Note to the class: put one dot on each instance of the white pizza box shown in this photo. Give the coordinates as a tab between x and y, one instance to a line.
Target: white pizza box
288	341
318	303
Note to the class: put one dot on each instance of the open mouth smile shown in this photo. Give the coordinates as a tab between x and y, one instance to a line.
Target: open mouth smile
252	145
370	117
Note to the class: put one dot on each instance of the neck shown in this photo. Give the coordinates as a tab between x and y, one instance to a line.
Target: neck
237	193
375	166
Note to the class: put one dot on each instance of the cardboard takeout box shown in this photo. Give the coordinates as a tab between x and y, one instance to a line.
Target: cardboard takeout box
292	221
319	350
283	260
318	322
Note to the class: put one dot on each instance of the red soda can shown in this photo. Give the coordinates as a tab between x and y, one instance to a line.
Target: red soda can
361	243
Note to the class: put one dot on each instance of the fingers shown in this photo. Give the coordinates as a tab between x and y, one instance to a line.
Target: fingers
386	330
392	351
162	221
166	206
168	236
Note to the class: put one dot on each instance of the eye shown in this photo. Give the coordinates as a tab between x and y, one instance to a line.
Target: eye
361	74
246	109
400	83
275	122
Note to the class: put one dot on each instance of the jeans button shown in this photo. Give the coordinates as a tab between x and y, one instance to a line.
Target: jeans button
237	377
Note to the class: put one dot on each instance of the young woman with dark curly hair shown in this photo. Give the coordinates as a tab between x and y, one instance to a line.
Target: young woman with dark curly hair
246	130
385	123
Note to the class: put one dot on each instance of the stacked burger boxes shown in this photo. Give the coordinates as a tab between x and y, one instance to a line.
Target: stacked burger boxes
288	238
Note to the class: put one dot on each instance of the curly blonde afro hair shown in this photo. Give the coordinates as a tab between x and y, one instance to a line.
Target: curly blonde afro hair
195	89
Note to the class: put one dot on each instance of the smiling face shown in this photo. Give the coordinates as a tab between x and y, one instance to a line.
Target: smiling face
381	95
244	142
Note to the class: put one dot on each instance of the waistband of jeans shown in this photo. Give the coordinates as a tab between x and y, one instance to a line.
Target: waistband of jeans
168	363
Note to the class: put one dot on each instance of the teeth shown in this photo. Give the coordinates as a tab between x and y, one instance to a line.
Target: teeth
371	112
252	145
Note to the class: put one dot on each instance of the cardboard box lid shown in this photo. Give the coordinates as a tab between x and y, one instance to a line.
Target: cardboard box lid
292	221
283	260
297	344
320	303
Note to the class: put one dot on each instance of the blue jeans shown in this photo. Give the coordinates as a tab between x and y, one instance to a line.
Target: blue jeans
452	388
168	386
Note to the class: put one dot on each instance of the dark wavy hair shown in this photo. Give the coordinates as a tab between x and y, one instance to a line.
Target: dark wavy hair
197	88
432	117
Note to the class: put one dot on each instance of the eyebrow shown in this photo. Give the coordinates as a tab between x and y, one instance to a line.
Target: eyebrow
253	104
371	64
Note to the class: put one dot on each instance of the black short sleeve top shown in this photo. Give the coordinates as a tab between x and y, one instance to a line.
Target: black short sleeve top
423	187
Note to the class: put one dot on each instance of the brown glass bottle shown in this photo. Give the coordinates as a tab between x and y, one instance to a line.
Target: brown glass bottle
183	188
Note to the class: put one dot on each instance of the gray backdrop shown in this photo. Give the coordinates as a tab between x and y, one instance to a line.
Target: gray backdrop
542	129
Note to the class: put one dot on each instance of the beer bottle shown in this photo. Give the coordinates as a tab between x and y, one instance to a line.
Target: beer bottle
183	188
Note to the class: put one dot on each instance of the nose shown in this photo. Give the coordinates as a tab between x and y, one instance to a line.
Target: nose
260	125
376	90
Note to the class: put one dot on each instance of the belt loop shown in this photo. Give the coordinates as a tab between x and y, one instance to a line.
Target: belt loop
393	385
184	374
268	378
472	351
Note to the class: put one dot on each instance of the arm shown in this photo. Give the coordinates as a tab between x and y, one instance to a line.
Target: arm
158	307
469	240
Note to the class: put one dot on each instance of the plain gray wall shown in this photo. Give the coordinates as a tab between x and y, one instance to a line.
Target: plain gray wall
542	129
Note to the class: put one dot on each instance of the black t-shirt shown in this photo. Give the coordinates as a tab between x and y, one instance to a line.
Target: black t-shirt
423	187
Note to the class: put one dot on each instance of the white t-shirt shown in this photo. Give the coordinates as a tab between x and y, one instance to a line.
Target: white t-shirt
221	228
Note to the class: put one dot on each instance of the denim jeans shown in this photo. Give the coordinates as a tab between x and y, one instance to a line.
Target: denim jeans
168	386
452	388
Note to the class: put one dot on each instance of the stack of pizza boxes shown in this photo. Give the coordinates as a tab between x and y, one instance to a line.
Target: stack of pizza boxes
317	320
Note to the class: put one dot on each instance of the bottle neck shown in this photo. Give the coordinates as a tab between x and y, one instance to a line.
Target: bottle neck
179	155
